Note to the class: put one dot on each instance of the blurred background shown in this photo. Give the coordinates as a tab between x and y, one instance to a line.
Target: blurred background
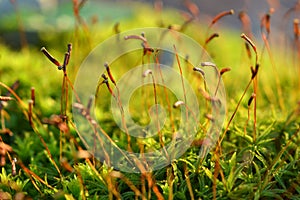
34	16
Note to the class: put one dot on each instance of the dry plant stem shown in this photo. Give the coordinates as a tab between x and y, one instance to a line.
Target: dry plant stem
64	98
118	98
255	82
182	81
79	21
215	20
112	188
30	115
22	105
216	173
248	113
79	134
119	175
170	180
2	121
160	134
255	87
208	40
233	115
77	172
33	176
152	185
221	15
94	170
192	7
95	127
50	57
46	147
143	185
166	94
30	105
297	44
73	90
250	42
188	181
33	95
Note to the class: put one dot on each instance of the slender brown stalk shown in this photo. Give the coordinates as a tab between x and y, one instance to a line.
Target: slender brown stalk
119	103
251	43
5	98
161	141
221	15
34	176
51	58
32	94
210	38
188	181
192	8
45	146
166	94
246	23
117	174
255	81
30	105
170	181
234	112
296	29
297	43
248	113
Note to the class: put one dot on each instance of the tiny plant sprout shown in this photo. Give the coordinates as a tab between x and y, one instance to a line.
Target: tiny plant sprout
251	99
208	64
83	154
224	70
265	22
137	37
109	73
107	84
30	105
4	149
192	7
197	69
64	163
116	28
296	29
51	58
254	71
69	48
33	95
78	106
210	117
147	72
221	15
211	37
89	105
4	98
66	61
205	94
13	167
177	104
104	77
246	22
245	37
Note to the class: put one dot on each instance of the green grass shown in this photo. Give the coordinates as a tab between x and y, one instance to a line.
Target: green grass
251	164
